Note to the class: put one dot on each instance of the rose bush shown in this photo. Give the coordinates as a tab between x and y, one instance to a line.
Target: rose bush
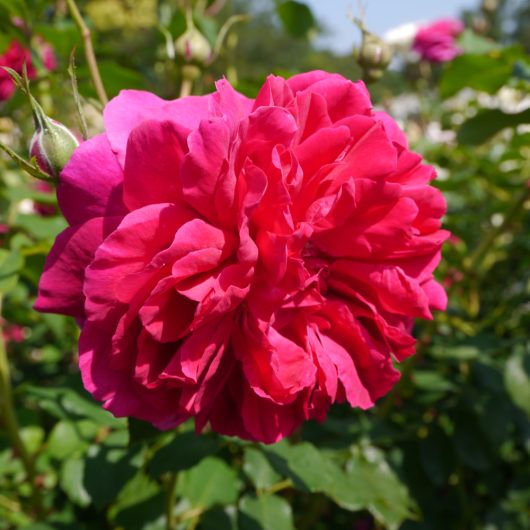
436	42
245	262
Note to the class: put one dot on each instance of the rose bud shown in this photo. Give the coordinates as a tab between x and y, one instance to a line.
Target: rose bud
490	6
373	56
52	146
192	46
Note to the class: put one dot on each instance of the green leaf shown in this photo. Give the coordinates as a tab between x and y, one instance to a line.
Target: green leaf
32	436
436	456
147	514
470	42
141	431
304	464
470	444
183	452
41	227
517	380
258	469
432	382
371	483
10	264
140	505
296	17
72	481
220	519
267	512
209	483
66	403
489	73
487	123
107	471
67	438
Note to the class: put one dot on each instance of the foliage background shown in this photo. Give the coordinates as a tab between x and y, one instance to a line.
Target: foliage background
447	449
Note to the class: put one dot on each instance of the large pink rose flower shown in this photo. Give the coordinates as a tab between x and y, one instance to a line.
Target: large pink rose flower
245	262
436	42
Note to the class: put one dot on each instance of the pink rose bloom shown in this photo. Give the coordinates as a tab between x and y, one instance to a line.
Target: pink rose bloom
15	56
436	42
245	262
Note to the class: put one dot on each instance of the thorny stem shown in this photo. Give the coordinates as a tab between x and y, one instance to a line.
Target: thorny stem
10	423
89	51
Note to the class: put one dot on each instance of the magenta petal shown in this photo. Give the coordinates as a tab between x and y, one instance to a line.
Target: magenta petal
61	283
266	421
116	388
229	103
356	393
205	168
155	152
131	107
303	81
122	268
91	183
274	93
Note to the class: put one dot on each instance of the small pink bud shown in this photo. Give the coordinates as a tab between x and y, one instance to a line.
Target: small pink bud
192	46
52	146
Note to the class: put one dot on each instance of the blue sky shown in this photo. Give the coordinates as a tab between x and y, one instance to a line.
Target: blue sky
381	15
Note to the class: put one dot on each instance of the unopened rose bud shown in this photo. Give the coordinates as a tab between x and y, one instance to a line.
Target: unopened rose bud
52	146
480	25
373	56
192	46
489	6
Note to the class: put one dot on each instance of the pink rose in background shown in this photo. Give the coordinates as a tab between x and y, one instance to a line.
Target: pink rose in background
15	56
11	332
46	53
43	208
245	262
436	42
4	229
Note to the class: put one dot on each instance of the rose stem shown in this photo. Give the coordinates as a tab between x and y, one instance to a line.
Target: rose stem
10	423
89	51
186	87
170	501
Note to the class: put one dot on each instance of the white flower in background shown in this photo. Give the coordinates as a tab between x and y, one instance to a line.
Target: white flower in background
26	206
507	99
402	37
402	107
436	135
